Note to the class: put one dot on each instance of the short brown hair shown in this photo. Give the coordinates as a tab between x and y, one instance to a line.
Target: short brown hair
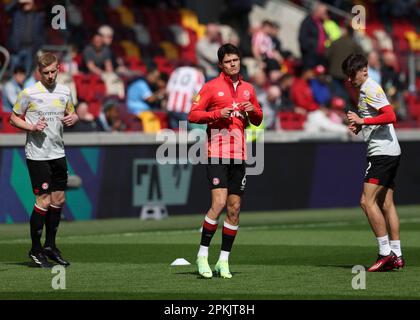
46	59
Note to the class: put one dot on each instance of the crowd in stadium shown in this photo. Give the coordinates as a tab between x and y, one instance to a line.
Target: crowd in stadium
136	66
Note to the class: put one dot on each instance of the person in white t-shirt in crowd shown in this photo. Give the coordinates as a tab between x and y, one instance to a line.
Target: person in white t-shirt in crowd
206	50
184	83
265	52
375	118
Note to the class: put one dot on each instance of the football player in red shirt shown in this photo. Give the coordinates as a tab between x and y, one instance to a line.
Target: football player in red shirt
225	104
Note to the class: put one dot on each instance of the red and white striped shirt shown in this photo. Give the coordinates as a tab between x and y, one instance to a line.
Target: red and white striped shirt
263	43
184	83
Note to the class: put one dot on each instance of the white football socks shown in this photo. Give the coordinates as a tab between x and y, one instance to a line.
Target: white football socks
396	247
224	255
203	252
384	247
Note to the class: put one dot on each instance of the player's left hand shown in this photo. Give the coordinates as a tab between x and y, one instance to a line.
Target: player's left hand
355	128
247	106
354	118
70	119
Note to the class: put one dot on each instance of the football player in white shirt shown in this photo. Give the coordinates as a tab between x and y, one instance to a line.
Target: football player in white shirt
42	110
375	118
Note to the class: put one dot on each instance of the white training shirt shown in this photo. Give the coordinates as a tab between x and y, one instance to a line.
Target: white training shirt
35	102
381	139
184	83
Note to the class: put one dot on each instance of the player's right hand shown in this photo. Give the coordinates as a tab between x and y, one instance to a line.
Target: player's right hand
40	125
225	113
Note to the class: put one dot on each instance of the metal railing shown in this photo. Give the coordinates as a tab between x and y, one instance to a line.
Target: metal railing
6	54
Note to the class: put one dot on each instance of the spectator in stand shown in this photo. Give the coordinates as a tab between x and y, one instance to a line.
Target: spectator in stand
260	84
144	92
32	79
13	87
70	64
374	66
86	121
270	103
336	54
312	36
332	30
392	83
264	50
320	86
285	83
184	83
107	34
97	57
206	50
109	119
317	117
27	33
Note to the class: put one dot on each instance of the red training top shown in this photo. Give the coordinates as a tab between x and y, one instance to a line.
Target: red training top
225	136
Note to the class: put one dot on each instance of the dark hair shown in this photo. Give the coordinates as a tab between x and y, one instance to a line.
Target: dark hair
353	63
227	48
19	69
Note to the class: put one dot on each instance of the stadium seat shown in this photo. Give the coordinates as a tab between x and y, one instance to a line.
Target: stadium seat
95	107
132	122
163	119
126	16
131	49
135	64
170	50
291	120
89	87
163	64
5	126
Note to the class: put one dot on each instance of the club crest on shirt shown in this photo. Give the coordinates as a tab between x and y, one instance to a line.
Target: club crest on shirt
216	181
196	99
44	186
246	94
220	93
62	100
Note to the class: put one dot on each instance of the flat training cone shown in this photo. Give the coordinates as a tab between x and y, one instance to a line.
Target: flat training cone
180	262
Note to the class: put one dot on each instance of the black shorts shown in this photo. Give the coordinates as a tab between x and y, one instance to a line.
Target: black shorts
231	176
382	170
48	175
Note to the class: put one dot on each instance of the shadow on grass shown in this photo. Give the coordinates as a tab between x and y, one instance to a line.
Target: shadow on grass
22	264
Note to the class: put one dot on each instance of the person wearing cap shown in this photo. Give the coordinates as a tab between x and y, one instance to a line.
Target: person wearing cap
320	86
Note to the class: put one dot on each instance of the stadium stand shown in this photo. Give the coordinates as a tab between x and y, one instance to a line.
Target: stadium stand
165	34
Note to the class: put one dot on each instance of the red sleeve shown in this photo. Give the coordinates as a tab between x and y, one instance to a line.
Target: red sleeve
256	116
386	116
198	113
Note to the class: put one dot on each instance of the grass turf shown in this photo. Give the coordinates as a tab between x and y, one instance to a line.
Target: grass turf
276	255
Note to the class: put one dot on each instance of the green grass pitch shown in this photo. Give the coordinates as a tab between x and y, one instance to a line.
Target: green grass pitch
276	255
